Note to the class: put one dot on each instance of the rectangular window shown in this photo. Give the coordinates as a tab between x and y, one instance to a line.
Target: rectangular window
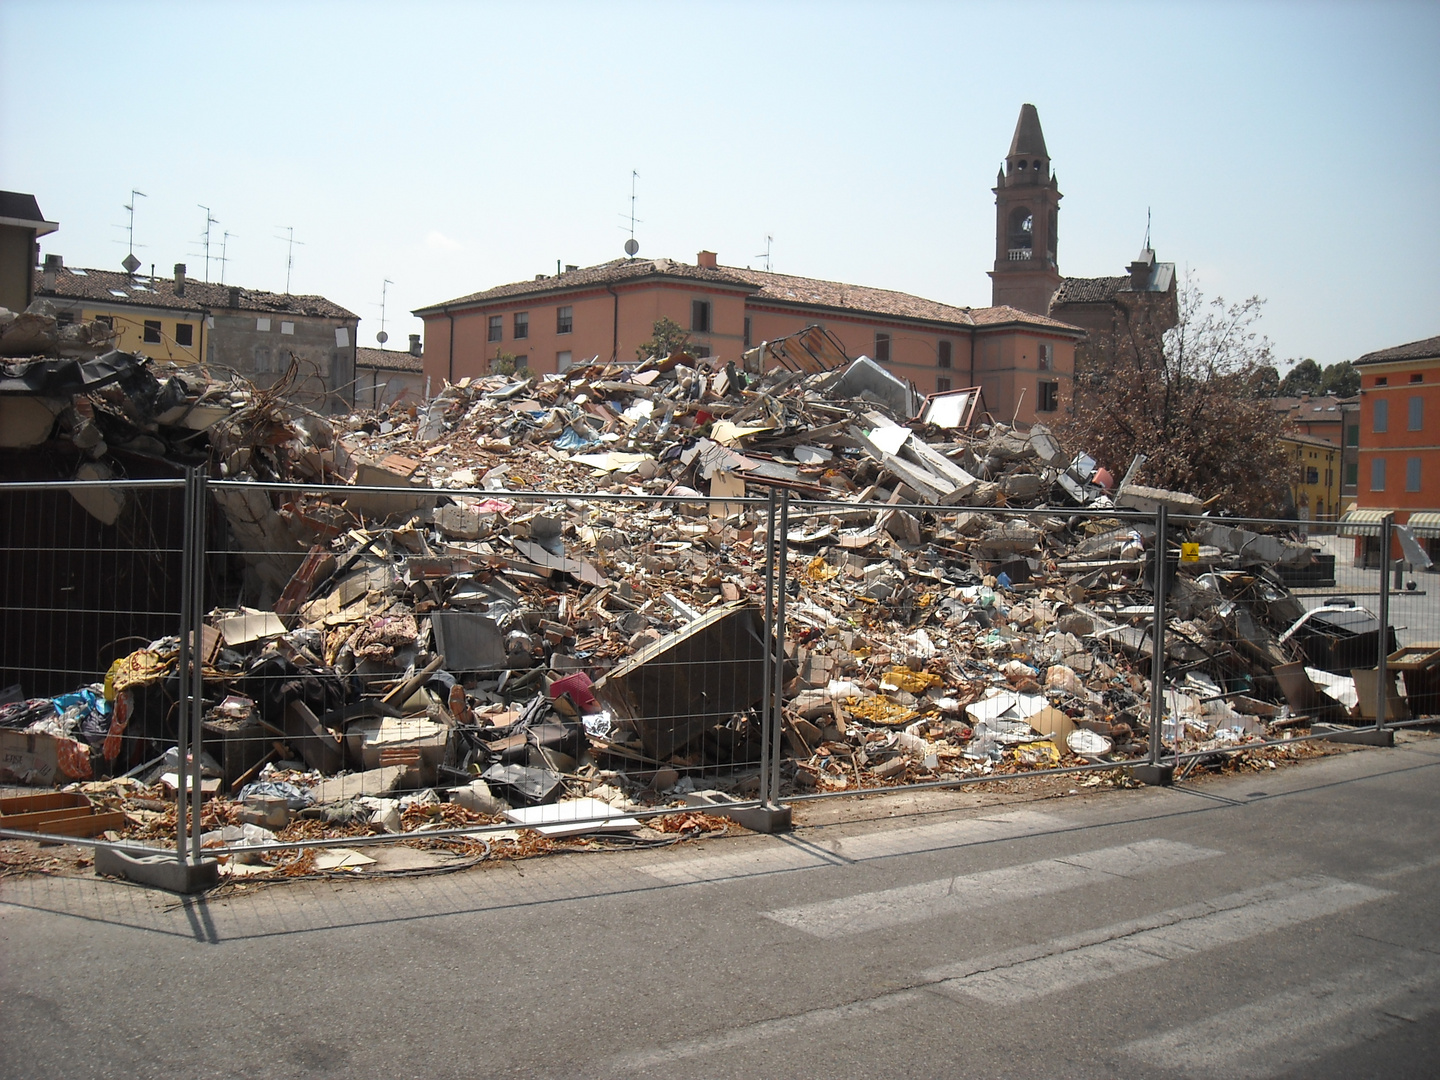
342	337
562	361
1381	380
108	320
1047	356
64	318
1352	473
497	328
882	347
1417	378
1382	415
262	324
700	316
942	383
185	334
1352	434
1412	474
152	331
747	331
564	320
1377	474
700	352
943	355
287	328
1312	475
522	325
1049	397
1417	413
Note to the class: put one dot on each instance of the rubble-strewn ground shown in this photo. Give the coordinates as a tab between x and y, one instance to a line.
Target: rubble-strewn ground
523	593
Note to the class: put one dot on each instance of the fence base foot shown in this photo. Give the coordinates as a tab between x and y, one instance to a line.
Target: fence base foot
158	871
1154	775
1367	736
770	818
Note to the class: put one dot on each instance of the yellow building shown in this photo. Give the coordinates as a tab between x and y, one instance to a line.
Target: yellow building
1314	477
150	316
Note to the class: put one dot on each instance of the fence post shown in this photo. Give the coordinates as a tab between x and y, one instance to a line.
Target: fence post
195	536
767	708
189	645
1382	645
1152	772
778	728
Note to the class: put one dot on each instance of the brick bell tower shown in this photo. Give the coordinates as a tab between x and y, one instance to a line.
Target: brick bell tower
1027	204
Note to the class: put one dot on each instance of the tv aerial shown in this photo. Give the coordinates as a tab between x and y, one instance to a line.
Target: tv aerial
382	337
632	246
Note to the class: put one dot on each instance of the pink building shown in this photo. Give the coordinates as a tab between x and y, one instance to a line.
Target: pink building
1024	362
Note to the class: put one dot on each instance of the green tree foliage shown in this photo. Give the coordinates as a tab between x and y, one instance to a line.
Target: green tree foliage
1265	383
1303	378
668	337
1340	379
1187	402
503	363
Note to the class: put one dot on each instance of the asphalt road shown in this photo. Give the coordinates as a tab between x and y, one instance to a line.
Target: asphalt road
1281	923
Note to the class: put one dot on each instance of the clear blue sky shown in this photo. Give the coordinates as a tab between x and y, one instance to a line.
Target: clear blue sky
1285	150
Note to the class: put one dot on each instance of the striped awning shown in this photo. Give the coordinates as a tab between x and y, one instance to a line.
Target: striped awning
1362	523
1425	524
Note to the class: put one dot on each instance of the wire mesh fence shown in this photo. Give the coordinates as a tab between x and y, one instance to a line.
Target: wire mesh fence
381	662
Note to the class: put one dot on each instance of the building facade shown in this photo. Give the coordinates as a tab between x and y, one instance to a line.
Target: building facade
1024	362
1314	477
391	377
21	226
1400	429
254	333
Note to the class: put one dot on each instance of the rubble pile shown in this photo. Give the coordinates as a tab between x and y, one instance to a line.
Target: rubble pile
538	602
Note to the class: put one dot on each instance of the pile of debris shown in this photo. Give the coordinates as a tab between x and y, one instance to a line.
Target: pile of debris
525	596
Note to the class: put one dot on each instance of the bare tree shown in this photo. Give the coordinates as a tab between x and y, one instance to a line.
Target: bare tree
1186	400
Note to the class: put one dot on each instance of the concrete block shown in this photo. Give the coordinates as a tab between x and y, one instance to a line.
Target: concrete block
158	871
1154	775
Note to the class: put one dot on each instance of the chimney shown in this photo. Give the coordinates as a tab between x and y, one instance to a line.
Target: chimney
415	349
234	296
705	259
179	279
53	265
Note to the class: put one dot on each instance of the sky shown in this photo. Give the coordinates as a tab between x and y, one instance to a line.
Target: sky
1285	150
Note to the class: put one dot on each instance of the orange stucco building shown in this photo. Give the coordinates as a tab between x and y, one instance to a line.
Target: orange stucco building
1024	362
1400	436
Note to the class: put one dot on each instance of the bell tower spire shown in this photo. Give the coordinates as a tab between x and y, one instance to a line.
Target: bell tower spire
1027	204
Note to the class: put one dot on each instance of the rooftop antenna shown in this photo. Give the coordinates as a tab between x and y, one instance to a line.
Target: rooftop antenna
766	254
130	263
632	245
1147	230
290	240
382	337
224	258
209	220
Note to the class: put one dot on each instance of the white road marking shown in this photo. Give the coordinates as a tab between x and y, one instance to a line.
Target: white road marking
758	1032
787	854
966	892
1287	1029
1065	963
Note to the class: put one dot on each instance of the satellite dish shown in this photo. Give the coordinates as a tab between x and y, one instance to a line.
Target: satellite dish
382	337
632	246
131	263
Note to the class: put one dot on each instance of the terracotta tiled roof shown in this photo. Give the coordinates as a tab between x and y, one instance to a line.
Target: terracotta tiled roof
610	273
764	285
117	287
388	359
1415	350
1089	290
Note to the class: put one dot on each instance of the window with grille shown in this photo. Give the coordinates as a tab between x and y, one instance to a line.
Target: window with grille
564	319
497	328
522	325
